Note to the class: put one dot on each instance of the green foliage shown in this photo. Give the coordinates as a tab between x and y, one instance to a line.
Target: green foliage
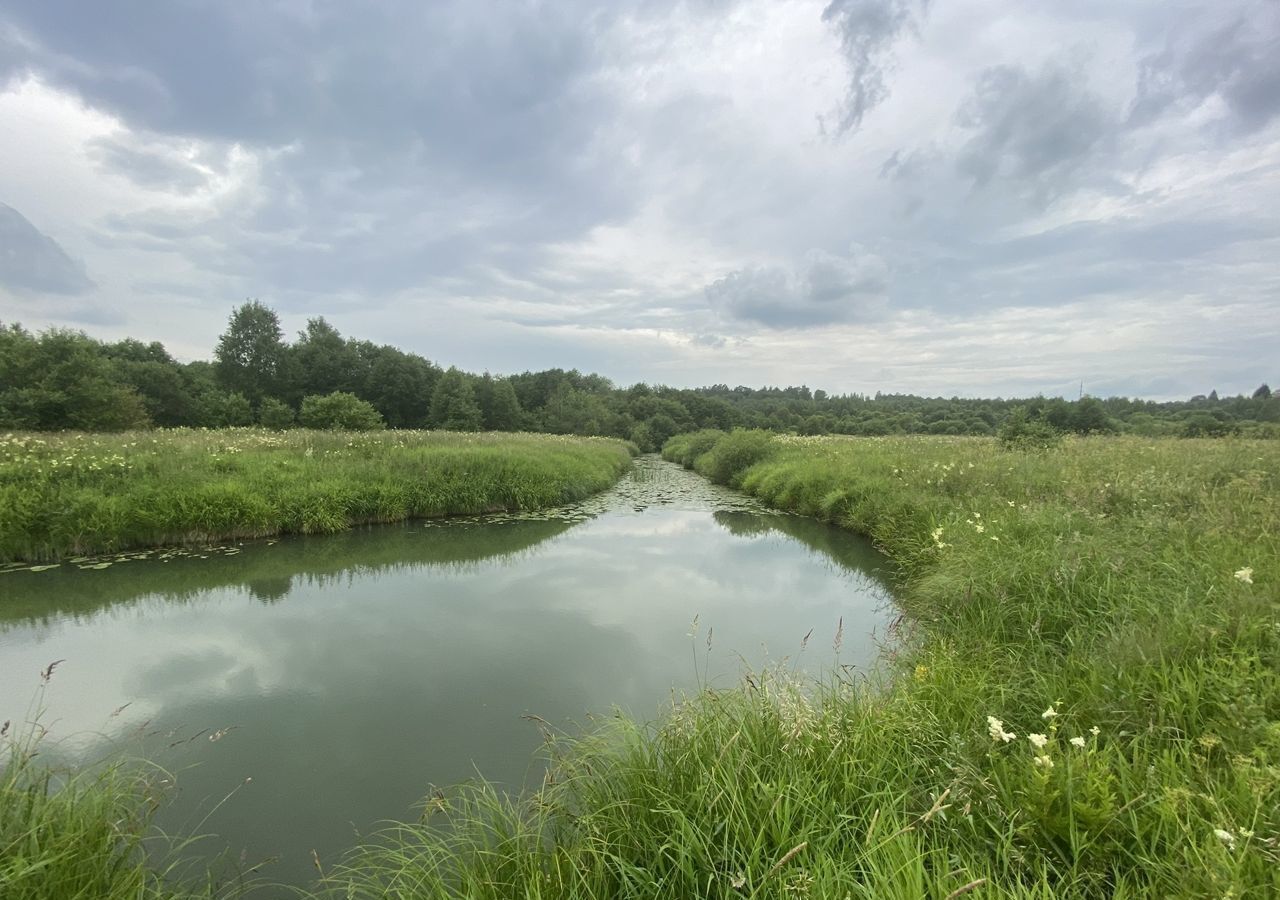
324	363
1022	431
341	411
1203	424
453	404
499	405
686	448
100	390
223	409
62	380
277	415
251	353
734	453
74	494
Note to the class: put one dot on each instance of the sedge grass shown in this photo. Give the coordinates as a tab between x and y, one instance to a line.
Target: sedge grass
75	494
85	832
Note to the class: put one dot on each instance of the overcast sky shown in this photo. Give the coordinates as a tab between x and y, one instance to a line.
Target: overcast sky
987	197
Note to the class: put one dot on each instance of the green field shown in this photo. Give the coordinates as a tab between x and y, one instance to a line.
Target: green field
75	494
1082	700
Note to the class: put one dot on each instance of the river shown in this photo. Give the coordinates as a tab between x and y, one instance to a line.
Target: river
326	683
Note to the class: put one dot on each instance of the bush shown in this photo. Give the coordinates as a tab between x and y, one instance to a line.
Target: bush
275	415
1203	424
686	448
1021	431
340	411
734	453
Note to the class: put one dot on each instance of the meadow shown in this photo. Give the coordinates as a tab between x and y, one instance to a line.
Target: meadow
74	494
1082	700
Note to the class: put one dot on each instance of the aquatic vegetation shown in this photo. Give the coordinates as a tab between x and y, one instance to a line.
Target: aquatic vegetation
76	494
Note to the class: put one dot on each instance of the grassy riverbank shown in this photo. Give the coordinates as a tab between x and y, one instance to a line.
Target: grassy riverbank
76	494
1087	703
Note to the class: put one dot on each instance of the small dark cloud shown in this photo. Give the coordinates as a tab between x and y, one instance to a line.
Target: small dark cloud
1234	55
825	289
1037	131
34	262
714	341
868	30
147	167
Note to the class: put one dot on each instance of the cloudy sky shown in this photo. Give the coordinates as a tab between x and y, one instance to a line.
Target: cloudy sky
948	197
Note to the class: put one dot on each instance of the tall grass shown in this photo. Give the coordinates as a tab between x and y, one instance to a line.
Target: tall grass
81	833
1086	703
69	494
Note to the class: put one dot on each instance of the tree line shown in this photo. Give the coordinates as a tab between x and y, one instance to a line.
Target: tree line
61	379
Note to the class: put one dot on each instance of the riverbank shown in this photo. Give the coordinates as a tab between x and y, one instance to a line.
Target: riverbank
1087	703
74	494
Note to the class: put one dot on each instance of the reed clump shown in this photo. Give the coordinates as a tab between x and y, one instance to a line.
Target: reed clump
73	494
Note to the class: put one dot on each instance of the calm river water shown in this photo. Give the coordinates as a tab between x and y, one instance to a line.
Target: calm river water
347	674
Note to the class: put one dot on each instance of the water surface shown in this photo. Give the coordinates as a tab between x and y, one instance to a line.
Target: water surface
347	674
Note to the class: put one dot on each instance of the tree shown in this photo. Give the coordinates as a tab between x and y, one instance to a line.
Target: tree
400	386
323	361
1088	416
339	411
63	380
1262	393
501	409
453	403
251	352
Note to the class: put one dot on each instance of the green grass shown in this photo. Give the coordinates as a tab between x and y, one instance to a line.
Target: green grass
81	833
74	494
1089	587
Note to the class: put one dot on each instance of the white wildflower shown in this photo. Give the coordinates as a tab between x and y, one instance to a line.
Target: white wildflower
1095	731
1077	742
1038	740
1043	762
1245	575
1049	713
1226	837
996	728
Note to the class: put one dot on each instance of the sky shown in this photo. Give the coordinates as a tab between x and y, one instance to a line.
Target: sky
978	198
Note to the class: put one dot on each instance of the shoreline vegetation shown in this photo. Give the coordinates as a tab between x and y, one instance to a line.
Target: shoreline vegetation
1083	701
73	494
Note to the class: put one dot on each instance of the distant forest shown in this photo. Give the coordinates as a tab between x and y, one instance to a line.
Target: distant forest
62	379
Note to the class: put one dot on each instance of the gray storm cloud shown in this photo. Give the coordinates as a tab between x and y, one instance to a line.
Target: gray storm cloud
868	30
34	262
822	290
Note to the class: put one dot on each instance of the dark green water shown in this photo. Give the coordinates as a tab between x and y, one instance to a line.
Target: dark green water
347	674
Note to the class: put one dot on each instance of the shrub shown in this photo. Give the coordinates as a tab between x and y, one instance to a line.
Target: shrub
686	448
275	414
1021	431
734	453
340	411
